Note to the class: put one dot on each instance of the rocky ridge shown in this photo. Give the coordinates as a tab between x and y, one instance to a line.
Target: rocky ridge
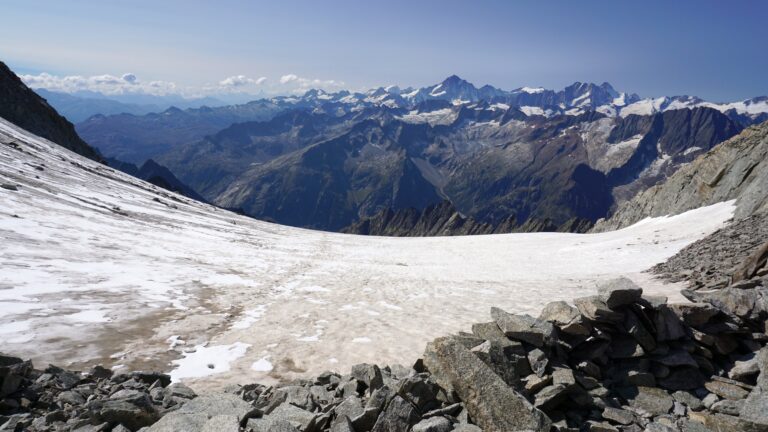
444	220
617	361
735	169
23	107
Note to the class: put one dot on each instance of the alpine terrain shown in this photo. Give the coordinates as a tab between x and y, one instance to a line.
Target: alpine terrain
214	218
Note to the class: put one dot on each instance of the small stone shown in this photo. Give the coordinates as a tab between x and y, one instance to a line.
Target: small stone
710	400
725	390
563	376
692	402
619	416
651	399
595	426
727	406
534	383
538	361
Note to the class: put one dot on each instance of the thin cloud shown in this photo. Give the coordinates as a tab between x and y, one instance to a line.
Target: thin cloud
129	83
105	84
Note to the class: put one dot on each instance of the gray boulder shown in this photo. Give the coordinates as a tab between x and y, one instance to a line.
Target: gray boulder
566	317
433	424
399	416
524	328
651	399
595	309
619	292
490	402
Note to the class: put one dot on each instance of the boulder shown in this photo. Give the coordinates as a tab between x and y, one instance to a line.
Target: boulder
694	314
550	397
538	361
595	309
221	423
745	367
726	390
566	317
130	408
524	328
433	424
368	374
727	406
421	391
490	402
619	292
194	414
692	402
635	327
754	410
668	325
649	399
399	416
620	416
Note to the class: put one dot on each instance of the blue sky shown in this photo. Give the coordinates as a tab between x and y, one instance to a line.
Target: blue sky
713	49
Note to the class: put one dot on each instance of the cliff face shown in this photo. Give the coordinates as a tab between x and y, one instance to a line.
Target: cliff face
24	108
735	169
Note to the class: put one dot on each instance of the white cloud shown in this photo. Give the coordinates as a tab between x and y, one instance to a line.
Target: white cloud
129	83
241	81
105	84
285	79
293	83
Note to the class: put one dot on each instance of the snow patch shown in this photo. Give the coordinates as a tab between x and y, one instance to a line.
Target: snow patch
205	361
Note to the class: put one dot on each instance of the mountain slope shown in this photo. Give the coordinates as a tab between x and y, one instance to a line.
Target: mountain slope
735	169
326	171
23	107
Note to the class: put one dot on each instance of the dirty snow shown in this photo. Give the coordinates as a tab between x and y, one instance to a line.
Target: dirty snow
139	269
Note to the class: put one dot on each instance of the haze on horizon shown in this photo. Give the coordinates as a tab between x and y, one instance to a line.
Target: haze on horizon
706	48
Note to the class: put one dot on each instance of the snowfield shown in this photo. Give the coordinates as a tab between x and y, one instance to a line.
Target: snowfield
99	267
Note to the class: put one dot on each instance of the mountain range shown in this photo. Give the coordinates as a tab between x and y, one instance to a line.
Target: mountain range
528	158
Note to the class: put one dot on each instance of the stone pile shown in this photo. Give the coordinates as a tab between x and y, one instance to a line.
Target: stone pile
616	361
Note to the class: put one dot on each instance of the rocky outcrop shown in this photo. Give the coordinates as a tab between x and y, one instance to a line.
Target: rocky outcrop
24	108
731	254
619	361
736	169
440	219
443	219
156	174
